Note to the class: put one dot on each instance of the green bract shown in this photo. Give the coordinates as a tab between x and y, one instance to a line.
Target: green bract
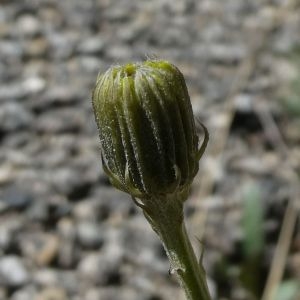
148	139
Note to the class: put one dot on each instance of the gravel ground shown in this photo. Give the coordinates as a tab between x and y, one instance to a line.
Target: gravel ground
65	233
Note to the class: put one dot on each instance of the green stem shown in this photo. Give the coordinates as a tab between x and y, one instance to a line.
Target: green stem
166	218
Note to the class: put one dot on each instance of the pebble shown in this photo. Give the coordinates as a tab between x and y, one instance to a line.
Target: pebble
38	212
36	48
140	244
119	53
10	227
12	91
14	117
14	197
90	64
87	210
60	121
288	36
3	293
100	269
34	85
41	248
119	13
28	25
46	277
49	209
111	202
91	45
27	293
7	174
244	103
52	294
219	53
68	255
89	235
5	238
10	50
13	272
113	294
170	37
61	45
55	97
66	180
62	279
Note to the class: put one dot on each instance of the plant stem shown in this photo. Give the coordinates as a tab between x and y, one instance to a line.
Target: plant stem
191	274
167	221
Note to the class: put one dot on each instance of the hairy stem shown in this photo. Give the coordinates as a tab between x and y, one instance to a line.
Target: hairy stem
167	221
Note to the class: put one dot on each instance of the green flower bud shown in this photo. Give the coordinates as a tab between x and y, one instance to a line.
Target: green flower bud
148	139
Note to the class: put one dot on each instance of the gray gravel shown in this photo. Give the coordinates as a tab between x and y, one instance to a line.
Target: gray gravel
13	272
64	232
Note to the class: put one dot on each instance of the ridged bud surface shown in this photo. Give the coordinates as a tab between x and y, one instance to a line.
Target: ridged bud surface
147	131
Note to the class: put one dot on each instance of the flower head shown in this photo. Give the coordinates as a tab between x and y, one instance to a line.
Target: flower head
148	139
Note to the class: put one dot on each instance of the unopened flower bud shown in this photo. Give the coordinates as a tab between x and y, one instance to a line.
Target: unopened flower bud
148	139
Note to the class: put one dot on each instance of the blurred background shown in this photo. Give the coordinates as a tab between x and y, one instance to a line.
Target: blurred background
65	233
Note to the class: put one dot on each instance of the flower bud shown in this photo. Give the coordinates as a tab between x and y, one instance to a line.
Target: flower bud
148	139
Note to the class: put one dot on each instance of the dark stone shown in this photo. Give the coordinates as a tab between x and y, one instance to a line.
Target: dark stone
14	197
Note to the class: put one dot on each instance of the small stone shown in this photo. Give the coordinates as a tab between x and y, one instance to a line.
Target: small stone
66	180
50	209
60	121
13	272
68	250
42	248
61	46
33	85
92	45
89	235
213	32
26	293
110	202
14	197
119	52
10	49
172	36
67	280
55	96
17	141
7	174
3	294
12	91
220	53
28	25
46	277
141	245
287	37
66	228
262	165
37	47
53	293
285	70
118	13
85	210
10	226
38	212
109	293
52	17
13	117
90	64
5	237
244	102
5	29
100	269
